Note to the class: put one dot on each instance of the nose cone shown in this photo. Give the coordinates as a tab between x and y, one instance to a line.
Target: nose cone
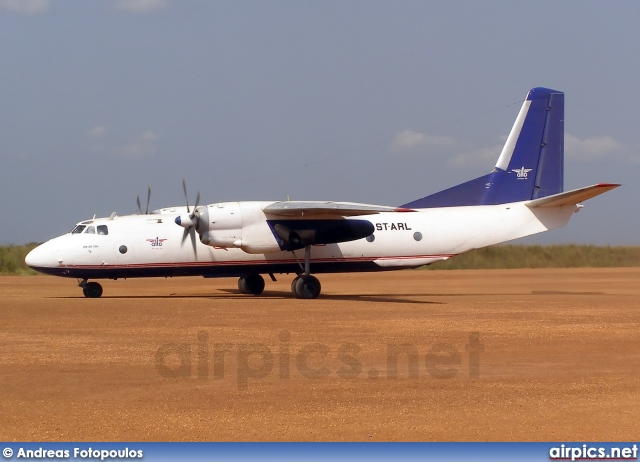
42	256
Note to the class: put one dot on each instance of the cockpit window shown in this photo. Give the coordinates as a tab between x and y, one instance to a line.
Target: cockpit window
90	230
78	229
103	230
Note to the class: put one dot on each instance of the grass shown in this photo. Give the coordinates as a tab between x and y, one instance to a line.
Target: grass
494	257
12	259
539	256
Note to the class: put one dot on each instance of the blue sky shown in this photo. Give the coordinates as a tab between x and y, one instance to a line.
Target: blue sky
368	101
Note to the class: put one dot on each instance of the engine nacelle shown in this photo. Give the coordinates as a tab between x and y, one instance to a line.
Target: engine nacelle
236	225
296	234
242	225
220	225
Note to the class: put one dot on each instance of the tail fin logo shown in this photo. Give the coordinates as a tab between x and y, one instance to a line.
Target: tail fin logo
522	172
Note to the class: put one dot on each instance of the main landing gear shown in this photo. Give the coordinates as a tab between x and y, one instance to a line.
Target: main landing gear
303	286
91	289
306	286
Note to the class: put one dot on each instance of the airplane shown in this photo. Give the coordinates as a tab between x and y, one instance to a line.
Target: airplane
521	196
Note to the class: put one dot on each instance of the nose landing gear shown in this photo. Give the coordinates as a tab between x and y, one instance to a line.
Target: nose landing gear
91	289
251	284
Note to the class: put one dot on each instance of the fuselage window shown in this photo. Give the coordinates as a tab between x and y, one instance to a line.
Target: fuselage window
103	230
78	229
90	230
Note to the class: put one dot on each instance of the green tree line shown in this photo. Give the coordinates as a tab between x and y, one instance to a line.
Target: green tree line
542	256
12	259
494	257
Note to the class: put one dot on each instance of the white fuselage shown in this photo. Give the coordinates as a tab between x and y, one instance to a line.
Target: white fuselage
153	245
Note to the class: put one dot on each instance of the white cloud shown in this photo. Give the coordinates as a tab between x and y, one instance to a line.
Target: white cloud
142	148
148	136
97	132
408	140
457	153
597	148
141	6
460	154
26	7
478	156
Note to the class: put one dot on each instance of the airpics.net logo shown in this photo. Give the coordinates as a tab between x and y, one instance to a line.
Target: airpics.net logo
592	452
249	362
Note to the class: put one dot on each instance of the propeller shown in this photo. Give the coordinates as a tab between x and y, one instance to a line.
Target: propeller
146	211
189	222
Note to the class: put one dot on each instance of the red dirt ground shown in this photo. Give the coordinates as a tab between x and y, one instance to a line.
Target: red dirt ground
554	355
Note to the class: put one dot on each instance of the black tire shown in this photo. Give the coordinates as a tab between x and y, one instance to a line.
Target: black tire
293	285
251	284
92	290
308	287
242	286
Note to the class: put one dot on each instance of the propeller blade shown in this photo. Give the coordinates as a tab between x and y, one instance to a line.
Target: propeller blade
193	243
146	212
191	233
186	198
138	202
195	207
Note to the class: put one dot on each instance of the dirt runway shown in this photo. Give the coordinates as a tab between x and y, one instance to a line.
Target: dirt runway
530	355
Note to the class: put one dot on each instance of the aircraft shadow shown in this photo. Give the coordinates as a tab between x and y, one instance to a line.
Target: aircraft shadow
563	292
383	298
230	294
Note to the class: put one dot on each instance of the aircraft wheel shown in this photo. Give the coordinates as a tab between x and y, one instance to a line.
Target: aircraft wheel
307	286
242	286
293	285
92	290
251	284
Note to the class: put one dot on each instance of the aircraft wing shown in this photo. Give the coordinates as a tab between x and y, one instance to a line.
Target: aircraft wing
572	197
315	209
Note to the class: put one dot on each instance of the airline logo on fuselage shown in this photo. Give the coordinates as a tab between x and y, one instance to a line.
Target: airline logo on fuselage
522	172
156	243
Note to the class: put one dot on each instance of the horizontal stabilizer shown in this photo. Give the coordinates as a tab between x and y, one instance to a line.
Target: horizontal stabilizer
572	197
298	209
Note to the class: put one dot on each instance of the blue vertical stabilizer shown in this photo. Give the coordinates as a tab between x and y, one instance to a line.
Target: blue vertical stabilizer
530	166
